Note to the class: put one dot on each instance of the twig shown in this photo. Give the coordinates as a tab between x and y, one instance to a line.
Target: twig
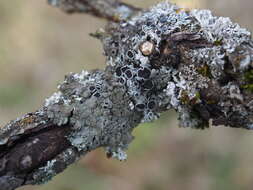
112	10
191	61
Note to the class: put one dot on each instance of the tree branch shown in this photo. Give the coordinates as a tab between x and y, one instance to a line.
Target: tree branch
112	10
164	58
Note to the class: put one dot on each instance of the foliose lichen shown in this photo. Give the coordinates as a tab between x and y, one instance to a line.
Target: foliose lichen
163	58
53	167
98	110
178	53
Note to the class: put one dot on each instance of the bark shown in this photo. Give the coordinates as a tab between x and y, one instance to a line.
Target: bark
164	58
112	10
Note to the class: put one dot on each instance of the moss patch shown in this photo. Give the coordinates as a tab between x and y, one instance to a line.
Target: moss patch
248	77
205	71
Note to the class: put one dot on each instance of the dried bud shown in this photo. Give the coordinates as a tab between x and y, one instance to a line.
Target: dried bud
146	48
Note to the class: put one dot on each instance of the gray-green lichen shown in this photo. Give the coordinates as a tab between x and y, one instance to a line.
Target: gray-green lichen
163	58
184	54
221	29
53	167
98	108
191	61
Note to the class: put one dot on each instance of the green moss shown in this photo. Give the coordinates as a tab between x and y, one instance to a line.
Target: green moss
211	101
248	78
197	95
204	71
185	99
218	42
248	87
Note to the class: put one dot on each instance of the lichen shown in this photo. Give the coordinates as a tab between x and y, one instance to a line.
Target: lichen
146	41
97	109
221	30
17	127
160	59
165	57
45	174
188	118
52	167
138	60
118	153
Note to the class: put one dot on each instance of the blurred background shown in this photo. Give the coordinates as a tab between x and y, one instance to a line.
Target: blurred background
40	44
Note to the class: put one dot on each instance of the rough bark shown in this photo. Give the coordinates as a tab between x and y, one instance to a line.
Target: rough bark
164	58
112	10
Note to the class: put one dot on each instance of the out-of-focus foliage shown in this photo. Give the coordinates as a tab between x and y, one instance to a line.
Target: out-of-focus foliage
39	44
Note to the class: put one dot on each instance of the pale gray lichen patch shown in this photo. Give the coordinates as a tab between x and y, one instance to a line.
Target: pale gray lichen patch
103	107
172	94
120	155
234	92
133	64
188	77
145	71
228	35
213	57
221	29
54	99
185	53
163	58
178	55
53	167
97	109
45	174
